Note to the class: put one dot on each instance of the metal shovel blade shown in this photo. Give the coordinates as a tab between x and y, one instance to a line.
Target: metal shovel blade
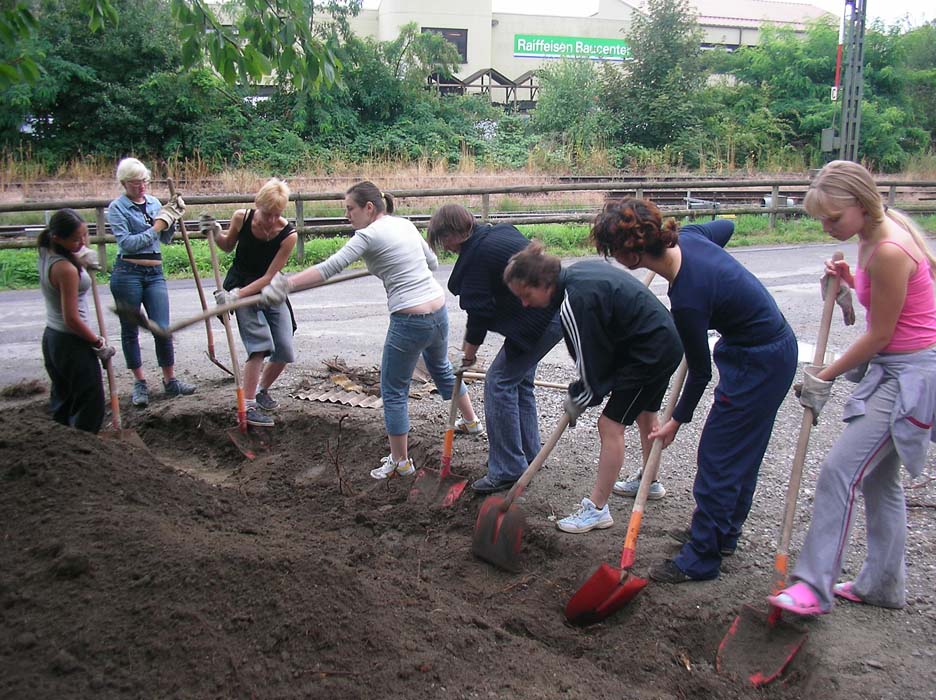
498	533
251	442
605	592
433	488
756	648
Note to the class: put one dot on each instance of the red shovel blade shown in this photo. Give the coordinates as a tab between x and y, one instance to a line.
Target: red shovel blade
431	487
603	594
498	533
757	649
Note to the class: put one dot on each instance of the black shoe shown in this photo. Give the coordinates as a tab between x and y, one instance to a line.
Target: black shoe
484	485
683	536
668	572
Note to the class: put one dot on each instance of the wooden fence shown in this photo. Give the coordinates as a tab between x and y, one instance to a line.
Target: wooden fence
698	197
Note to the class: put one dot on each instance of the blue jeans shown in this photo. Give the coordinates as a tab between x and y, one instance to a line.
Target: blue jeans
132	285
408	337
510	407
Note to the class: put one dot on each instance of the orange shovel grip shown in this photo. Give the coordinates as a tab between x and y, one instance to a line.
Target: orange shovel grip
630	541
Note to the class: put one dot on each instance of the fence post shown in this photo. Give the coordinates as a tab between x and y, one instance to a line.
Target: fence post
638	193
300	224
101	221
774	203
485	206
891	195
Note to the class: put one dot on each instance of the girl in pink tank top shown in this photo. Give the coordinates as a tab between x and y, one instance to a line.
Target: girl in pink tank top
890	415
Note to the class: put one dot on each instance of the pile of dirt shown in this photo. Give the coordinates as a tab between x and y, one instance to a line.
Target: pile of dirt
187	570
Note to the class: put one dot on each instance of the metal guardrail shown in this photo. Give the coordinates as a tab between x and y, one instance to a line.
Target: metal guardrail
769	200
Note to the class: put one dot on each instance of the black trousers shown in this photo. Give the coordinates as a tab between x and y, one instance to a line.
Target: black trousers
77	396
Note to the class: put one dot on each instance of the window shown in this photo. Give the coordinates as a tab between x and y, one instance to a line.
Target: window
457	37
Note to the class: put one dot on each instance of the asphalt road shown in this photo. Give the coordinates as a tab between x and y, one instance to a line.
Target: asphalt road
350	319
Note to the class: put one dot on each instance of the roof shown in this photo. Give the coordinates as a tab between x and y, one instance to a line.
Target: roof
753	13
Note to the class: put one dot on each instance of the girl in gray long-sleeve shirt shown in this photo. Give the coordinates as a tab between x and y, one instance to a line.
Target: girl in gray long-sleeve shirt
396	252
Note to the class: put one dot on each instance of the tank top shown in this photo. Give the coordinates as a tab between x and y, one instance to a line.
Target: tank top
253	257
916	325
55	319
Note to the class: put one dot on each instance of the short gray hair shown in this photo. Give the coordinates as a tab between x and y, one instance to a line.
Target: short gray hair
132	169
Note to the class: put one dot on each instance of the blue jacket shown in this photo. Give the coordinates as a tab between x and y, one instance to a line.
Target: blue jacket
130	228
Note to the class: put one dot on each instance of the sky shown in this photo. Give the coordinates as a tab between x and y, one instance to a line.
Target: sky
890	11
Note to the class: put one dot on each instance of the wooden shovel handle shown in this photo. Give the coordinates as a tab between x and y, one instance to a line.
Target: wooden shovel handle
799	458
447	445
537	462
649	474
108	364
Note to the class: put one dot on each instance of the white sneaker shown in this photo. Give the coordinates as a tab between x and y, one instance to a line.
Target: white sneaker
588	517
465	427
388	467
630	486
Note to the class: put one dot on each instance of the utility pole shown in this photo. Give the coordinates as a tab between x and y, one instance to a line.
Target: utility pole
851	42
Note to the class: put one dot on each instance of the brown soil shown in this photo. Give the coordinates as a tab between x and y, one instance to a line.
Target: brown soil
188	571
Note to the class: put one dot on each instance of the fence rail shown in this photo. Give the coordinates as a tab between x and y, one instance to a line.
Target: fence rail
686	197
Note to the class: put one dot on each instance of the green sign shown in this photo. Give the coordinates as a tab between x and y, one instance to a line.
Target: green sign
538	46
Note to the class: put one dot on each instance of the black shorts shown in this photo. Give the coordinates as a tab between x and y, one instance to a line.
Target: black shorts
626	404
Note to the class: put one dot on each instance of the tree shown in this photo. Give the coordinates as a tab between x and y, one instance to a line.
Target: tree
651	97
291	39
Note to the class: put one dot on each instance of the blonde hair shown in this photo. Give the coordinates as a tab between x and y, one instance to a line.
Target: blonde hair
842	184
273	196
132	169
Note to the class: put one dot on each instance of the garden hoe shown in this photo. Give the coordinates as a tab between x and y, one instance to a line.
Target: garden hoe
499	529
759	645
441	487
198	286
608	589
134	315
119	433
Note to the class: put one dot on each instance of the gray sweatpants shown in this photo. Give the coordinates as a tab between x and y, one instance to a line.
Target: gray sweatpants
863	457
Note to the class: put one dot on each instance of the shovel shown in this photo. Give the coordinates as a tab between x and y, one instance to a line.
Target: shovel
608	589
441	487
248	443
134	315
198	286
760	645
545	385
119	433
499	529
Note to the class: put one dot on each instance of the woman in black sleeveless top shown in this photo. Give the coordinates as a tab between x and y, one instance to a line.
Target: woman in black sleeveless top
263	240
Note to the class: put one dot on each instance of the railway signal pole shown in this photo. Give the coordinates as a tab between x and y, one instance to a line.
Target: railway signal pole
851	43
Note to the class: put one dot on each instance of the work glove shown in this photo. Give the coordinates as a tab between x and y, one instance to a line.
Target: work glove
88	258
207	223
224	297
843	299
572	409
105	351
465	362
170	212
276	291
812	391
177	201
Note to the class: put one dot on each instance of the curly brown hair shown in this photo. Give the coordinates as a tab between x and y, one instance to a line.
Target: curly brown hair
633	226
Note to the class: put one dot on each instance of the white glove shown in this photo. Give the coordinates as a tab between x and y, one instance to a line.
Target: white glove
812	391
843	299
572	409
105	351
171	212
465	363
88	258
207	223
224	297
276	291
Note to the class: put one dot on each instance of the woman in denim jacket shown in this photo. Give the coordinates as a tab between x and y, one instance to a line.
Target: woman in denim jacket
140	224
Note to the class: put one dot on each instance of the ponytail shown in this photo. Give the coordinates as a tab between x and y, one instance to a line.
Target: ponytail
909	225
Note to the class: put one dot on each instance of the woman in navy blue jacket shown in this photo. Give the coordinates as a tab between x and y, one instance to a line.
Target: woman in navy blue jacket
756	358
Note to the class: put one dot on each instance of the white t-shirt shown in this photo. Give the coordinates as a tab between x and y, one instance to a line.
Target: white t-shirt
393	250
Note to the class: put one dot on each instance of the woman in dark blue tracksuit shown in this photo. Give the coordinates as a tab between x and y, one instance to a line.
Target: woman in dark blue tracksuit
756	359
